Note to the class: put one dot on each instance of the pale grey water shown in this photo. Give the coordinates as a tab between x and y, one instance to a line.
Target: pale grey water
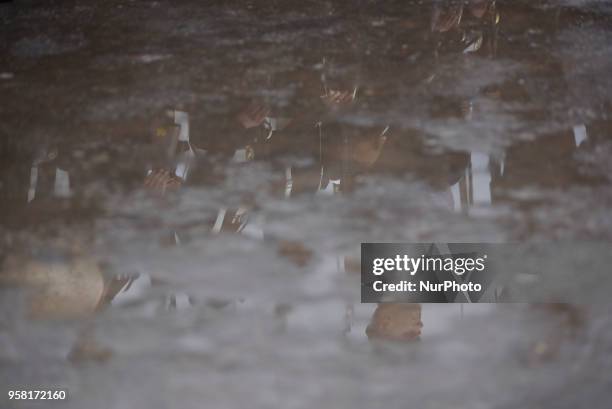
453	124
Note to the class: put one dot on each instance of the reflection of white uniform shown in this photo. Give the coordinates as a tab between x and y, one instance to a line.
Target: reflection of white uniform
474	187
61	184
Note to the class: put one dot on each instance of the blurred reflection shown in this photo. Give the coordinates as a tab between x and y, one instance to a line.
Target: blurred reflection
466	26
319	142
72	284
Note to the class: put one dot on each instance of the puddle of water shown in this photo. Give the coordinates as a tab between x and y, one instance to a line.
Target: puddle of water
182	201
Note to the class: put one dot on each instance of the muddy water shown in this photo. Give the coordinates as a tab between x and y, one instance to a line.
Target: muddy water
184	188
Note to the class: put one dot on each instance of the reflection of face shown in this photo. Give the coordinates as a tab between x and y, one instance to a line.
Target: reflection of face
60	289
396	322
359	146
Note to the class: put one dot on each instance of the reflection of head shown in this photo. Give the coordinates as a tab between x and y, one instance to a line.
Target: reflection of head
59	288
353	147
396	322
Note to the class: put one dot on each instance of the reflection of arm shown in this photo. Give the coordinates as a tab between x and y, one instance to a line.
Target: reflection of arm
161	180
253	115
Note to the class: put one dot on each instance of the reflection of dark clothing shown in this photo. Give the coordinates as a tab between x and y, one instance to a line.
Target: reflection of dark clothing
546	162
14	176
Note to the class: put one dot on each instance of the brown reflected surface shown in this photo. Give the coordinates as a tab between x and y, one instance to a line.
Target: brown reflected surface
184	187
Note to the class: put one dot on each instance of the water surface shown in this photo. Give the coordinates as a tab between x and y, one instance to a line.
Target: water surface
184	187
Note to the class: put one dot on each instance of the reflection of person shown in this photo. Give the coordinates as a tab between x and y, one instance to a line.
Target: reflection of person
396	322
171	135
185	161
72	285
546	162
34	177
307	130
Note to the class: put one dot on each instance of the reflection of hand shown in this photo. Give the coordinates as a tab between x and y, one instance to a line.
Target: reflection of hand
333	97
161	180
253	115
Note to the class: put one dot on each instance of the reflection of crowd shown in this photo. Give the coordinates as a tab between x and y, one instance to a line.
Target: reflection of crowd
313	127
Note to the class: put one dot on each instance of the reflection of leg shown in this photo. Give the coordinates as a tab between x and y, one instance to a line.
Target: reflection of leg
396	322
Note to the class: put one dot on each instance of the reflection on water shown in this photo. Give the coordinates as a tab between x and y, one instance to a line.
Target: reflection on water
190	194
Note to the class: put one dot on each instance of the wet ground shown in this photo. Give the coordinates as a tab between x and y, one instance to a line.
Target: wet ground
184	187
